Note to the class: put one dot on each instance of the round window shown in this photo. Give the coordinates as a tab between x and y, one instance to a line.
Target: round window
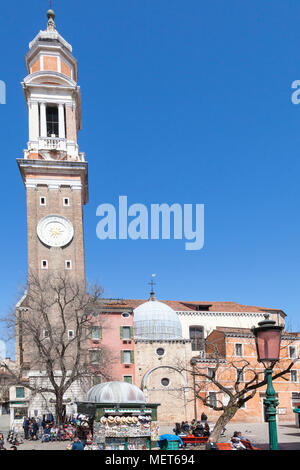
160	351
165	382
125	314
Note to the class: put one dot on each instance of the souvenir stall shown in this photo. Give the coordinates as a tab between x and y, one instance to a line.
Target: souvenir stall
83	425
123	419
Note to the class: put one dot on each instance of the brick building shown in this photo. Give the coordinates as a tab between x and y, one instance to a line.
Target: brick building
235	347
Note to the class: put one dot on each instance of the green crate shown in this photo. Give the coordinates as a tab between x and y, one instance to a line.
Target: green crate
173	445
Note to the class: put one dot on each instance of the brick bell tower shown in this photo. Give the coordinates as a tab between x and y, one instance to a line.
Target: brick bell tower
54	172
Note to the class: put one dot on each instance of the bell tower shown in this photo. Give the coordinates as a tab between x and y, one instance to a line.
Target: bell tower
54	171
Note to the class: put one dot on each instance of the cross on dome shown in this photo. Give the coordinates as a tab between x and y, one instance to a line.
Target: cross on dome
152	284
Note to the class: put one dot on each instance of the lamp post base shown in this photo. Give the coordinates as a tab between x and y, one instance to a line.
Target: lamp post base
270	403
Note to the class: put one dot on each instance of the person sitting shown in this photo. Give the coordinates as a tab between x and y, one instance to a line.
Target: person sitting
206	430
211	445
238	435
185	427
47	434
61	434
53	433
77	444
198	432
236	444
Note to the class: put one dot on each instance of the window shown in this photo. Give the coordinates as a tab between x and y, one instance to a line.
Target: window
210	371
127	357
95	332
240	375
126	332
97	379
294	376
68	264
70	335
238	348
196	336
66	201
42	201
46	334
212	398
20	392
44	264
127	379
165	382
292	352
125	314
95	355
52	121
160	351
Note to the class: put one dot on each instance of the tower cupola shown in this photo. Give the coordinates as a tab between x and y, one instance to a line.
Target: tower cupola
53	97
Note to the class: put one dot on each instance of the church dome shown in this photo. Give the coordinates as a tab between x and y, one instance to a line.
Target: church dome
155	320
115	392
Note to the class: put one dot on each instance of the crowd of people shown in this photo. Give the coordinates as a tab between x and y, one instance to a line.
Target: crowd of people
45	430
195	428
202	429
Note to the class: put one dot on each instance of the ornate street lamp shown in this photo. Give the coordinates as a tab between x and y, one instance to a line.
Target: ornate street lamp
267	339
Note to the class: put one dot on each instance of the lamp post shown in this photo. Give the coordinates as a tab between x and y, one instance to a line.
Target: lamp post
267	339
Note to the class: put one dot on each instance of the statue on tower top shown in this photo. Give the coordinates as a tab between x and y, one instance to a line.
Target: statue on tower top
51	23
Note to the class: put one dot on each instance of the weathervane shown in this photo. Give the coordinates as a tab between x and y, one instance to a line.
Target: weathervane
152	284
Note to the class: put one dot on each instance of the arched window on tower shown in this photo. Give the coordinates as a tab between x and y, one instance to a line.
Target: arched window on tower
52	121
197	338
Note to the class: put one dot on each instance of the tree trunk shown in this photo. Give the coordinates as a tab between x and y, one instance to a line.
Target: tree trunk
225	417
59	409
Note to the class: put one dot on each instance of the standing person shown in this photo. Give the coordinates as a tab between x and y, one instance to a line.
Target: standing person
211	445
176	430
26	427
34	430
2	442
40	428
43	423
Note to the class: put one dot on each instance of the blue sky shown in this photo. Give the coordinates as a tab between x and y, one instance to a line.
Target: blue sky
183	101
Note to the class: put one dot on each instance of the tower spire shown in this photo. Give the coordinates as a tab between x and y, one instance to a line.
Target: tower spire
152	284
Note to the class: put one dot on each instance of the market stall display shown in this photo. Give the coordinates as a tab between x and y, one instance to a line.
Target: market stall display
123	419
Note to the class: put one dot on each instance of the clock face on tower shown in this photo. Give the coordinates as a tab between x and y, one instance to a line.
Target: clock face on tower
55	230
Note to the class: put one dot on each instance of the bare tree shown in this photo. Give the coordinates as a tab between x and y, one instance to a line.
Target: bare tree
52	328
236	379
